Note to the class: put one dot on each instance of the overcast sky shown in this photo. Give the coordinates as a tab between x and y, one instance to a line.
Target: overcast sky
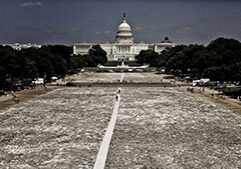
70	21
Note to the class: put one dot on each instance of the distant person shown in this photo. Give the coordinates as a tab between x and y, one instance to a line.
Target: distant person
12	92
45	87
116	97
119	91
16	100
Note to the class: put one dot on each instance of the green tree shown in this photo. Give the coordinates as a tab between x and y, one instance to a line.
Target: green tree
98	55
147	57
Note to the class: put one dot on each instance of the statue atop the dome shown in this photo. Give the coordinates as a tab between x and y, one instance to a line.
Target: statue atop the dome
124	17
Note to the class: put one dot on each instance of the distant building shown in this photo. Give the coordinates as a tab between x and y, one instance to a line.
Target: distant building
124	48
19	47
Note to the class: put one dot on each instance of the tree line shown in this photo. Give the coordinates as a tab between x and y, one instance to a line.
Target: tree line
46	61
220	60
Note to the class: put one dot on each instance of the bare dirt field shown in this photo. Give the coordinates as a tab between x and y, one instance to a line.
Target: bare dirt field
166	128
75	77
234	105
146	77
62	129
24	95
156	128
101	77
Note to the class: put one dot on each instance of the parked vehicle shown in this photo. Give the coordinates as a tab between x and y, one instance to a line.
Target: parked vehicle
201	82
2	93
139	70
38	81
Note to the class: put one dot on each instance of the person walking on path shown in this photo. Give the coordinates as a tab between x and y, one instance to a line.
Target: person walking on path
15	98
119	91
45	87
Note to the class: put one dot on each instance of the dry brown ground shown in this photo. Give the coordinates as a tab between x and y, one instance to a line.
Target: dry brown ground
172	128
61	129
23	96
74	77
27	94
233	105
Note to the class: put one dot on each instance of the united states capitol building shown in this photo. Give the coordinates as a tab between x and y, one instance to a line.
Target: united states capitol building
124	47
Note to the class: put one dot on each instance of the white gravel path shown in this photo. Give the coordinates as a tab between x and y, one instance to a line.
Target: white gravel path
104	148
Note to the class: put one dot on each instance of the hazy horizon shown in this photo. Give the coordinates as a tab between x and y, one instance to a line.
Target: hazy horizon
75	21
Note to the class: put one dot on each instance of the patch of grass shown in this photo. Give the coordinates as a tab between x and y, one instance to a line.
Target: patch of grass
132	63
116	63
232	91
112	63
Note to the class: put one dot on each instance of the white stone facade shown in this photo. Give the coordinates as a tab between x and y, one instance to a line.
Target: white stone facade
18	46
124	48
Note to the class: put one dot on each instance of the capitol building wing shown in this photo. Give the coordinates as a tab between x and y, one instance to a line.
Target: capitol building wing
124	47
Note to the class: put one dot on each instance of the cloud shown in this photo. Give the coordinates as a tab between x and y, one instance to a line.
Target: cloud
105	32
30	4
140	28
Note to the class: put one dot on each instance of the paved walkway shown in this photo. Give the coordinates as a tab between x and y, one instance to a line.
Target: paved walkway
104	148
102	154
122	77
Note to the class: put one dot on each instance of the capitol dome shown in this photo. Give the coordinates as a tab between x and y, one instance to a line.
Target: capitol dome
124	27
124	34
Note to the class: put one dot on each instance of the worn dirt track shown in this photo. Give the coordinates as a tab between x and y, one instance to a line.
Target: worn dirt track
25	95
